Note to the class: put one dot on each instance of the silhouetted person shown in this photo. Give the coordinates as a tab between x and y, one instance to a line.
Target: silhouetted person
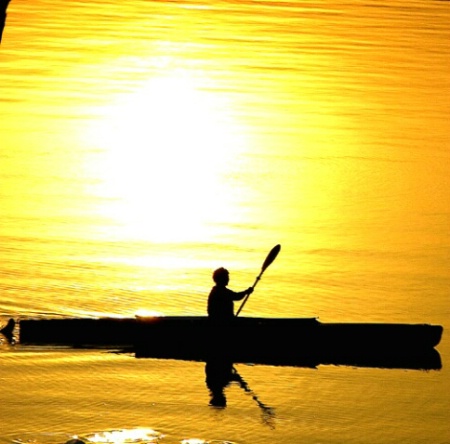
221	299
3	7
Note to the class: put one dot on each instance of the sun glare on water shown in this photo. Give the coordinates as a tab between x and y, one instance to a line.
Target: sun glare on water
163	154
139	435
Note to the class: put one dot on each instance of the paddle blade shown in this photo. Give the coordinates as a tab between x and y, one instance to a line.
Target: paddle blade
269	259
271	256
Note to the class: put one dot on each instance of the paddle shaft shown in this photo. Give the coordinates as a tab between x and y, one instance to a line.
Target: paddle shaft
246	297
273	253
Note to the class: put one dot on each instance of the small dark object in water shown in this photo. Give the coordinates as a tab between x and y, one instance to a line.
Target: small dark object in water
8	330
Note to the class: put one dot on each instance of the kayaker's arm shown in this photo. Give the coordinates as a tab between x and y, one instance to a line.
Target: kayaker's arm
239	295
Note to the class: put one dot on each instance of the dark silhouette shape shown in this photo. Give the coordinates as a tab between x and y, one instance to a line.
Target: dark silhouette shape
3	7
272	341
219	374
221	299
8	331
273	253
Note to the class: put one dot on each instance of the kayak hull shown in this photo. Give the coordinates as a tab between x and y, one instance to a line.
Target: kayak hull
275	341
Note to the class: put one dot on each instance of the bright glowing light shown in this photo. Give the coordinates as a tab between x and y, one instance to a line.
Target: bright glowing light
143	313
193	441
124	436
164	150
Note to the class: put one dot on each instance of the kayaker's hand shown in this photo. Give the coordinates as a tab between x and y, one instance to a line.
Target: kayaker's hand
249	290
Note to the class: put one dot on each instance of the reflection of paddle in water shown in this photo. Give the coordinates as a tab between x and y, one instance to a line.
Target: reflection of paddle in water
268	413
219	374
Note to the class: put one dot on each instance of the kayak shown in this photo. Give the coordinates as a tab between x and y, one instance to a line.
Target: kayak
273	341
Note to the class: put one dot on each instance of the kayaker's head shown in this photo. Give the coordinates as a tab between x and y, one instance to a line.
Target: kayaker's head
221	276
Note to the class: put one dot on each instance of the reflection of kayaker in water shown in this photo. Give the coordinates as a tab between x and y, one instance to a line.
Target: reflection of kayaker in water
221	299
219	373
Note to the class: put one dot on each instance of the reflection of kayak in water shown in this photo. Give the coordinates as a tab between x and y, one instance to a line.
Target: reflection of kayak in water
276	341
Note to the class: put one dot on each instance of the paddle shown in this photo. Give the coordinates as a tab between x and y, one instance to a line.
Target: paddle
273	253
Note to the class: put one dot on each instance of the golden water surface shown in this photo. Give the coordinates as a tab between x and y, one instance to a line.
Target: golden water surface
145	143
